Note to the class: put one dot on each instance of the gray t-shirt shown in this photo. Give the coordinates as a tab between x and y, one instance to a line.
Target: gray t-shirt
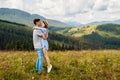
37	42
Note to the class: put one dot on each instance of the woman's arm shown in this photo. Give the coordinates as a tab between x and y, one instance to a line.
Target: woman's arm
47	35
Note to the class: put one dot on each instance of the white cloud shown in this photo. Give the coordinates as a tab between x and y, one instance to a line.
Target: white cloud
11	4
114	6
82	11
101	5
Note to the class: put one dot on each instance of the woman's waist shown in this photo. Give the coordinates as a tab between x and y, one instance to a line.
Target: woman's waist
45	40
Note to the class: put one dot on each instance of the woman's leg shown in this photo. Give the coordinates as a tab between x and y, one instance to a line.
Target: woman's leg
46	57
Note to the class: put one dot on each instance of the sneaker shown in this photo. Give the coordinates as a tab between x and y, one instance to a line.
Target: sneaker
49	68
39	72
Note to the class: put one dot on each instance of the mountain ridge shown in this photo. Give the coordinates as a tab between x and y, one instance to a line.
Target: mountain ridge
105	22
20	16
26	18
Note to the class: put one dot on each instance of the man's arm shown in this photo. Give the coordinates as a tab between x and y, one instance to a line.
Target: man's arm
39	33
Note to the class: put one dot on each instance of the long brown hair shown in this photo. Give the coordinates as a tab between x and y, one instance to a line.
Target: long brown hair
46	24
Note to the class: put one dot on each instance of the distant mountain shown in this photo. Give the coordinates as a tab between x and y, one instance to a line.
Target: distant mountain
74	24
18	16
117	21
15	15
77	24
105	22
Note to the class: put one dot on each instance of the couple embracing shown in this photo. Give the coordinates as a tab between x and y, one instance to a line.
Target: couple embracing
40	35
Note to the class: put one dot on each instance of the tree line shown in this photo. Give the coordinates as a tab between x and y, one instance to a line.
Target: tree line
15	36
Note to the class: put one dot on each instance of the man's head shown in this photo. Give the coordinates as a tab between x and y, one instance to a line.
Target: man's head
36	22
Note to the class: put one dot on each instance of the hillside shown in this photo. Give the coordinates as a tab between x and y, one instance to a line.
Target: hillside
67	65
18	16
105	30
108	35
15	36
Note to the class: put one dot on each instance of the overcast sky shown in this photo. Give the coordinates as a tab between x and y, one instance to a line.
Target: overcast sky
82	11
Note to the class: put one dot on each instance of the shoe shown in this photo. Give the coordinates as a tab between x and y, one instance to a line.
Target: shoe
39	72
49	68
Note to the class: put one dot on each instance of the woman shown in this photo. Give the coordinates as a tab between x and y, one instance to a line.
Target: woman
45	45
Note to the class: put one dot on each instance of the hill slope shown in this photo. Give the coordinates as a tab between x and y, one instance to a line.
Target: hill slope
107	34
105	30
18	16
14	36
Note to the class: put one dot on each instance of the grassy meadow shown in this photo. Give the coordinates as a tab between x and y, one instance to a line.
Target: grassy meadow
67	65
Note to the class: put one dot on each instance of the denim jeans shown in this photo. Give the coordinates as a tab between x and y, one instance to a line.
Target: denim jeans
39	61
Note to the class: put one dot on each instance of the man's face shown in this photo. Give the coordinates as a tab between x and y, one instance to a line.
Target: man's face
38	23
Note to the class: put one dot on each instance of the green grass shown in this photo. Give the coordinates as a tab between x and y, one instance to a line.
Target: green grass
67	65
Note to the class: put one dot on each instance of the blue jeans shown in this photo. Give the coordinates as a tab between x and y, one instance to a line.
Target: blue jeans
39	61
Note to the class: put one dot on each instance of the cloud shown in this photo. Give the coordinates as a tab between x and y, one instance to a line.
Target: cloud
114	6
82	11
11	4
101	5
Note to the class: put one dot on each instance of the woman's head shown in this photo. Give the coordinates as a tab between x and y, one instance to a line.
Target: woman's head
44	24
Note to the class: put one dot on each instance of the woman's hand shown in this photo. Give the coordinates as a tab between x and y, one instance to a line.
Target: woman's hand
45	36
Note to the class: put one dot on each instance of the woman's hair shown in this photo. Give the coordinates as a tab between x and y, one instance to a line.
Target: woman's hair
46	24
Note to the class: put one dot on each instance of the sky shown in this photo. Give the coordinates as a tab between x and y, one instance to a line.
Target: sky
81	11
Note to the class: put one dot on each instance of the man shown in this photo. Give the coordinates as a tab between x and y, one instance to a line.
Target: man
38	45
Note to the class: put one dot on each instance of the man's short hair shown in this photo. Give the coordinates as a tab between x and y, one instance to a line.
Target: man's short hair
35	20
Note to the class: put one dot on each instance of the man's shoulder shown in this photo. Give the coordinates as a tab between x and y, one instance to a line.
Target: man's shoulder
36	31
38	28
42	28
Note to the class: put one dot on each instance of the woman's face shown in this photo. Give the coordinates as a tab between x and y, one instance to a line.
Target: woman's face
43	25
